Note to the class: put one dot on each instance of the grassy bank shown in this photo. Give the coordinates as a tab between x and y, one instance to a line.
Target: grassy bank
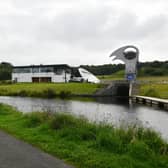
150	85
155	90
47	89
116	76
85	144
145	79
154	86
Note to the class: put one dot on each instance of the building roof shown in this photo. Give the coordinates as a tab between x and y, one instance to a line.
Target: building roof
41	65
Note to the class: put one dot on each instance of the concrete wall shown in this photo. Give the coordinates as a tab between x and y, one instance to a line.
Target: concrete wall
118	88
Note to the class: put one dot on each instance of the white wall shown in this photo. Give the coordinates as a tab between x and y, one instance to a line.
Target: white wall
27	77
22	77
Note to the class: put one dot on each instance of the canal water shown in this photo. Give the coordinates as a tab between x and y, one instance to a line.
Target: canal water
102	110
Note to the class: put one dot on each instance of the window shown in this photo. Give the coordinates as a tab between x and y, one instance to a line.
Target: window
46	69
35	70
22	70
58	71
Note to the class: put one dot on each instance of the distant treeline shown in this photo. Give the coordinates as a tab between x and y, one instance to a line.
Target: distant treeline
106	69
5	71
155	68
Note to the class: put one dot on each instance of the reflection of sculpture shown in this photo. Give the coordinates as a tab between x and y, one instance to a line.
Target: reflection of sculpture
129	55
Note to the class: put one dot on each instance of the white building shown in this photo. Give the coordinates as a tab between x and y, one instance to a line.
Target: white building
42	73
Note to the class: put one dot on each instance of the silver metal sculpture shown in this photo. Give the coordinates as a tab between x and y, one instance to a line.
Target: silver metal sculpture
129	55
88	76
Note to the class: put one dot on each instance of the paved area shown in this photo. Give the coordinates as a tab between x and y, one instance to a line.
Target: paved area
17	154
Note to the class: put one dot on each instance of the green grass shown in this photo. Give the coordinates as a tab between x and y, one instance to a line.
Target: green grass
155	90
154	79
48	89
85	144
120	76
154	86
150	86
116	76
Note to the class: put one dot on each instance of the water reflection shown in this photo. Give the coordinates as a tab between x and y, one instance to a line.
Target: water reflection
113	100
103	110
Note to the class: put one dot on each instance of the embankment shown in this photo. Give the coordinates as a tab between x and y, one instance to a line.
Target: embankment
85	144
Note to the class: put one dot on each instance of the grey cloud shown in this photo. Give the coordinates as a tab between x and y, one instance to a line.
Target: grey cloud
100	28
131	28
78	25
31	31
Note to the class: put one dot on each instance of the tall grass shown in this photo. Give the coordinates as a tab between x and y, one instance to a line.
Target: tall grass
155	90
151	92
86	144
48	90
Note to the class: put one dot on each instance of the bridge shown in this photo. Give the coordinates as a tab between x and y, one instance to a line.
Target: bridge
161	103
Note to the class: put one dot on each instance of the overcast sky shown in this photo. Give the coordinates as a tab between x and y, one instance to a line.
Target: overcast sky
79	32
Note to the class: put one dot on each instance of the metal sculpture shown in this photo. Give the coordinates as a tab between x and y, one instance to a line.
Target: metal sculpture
129	55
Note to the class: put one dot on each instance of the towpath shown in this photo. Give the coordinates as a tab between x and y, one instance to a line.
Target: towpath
18	154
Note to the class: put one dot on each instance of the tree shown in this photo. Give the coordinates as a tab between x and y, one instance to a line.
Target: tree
5	71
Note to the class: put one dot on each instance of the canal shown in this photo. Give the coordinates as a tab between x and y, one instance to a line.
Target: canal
102	110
